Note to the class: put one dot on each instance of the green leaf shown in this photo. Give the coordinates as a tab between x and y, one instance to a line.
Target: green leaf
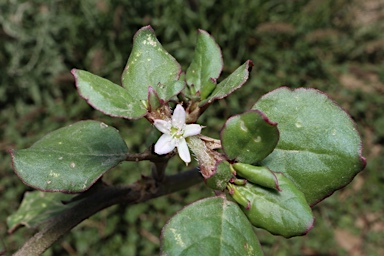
37	208
284	213
107	97
149	64
319	147
233	82
249	137
206	65
166	92
212	226
70	159
154	101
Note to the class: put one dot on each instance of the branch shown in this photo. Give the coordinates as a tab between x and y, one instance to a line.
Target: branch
148	155
141	191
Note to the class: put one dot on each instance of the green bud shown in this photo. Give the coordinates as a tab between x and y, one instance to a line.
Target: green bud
259	175
238	197
239	182
220	177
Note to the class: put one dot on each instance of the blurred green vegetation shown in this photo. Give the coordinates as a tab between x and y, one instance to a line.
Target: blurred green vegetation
335	46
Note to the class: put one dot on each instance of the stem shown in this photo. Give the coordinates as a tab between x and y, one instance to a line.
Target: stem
141	191
147	155
158	170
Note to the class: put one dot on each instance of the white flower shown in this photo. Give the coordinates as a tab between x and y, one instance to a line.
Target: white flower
175	132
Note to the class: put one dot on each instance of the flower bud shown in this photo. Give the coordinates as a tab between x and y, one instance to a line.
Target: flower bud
259	175
220	177
238	197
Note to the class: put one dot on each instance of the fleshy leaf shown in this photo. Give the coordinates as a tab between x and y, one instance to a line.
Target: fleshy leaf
284	213
149	64
319	147
233	82
70	159
206	65
212	226
107	97
249	137
37	208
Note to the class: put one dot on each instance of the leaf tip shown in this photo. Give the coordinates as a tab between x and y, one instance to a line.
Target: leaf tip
73	71
148	27
310	226
250	64
363	161
202	31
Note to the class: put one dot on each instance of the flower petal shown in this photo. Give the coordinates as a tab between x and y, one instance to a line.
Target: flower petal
183	151
192	129
178	117
165	144
162	125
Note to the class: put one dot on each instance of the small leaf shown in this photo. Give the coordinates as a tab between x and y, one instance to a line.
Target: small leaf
37	208
154	101
149	64
205	91
319	147
284	213
70	159
212	226
249	137
233	82
206	65
107	97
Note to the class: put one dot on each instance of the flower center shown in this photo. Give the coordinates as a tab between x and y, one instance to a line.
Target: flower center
177	132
